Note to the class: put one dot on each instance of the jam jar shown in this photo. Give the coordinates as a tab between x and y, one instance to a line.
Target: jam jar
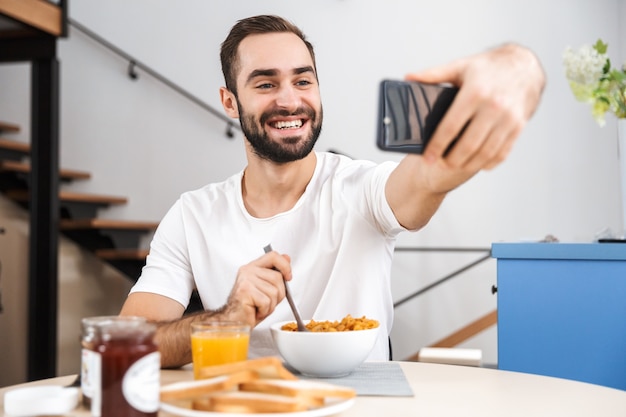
90	359
129	370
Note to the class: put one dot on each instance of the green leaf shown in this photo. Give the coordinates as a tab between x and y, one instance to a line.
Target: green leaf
601	47
618	76
607	66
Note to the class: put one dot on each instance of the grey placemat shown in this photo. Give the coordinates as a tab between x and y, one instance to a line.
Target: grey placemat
375	378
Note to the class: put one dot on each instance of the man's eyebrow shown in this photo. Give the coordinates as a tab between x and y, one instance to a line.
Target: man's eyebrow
273	72
261	73
302	70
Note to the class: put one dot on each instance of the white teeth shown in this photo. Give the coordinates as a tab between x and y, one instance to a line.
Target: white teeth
288	125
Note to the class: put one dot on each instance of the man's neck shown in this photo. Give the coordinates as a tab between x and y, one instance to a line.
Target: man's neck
269	189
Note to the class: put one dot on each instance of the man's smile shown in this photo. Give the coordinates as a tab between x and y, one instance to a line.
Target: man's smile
287	124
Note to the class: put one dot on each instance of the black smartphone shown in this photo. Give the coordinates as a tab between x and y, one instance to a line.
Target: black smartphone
409	112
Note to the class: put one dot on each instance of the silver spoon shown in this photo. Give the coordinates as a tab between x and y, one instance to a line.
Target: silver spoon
294	309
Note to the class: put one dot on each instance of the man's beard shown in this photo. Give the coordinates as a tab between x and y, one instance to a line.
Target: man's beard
289	149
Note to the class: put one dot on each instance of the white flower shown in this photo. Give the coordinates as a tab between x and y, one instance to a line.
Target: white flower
583	66
592	80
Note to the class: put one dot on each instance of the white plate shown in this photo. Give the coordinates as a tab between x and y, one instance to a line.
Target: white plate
327	410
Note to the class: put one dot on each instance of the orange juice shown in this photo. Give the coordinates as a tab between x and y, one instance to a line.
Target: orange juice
216	347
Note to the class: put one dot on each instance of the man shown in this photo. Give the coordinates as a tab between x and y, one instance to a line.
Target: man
331	221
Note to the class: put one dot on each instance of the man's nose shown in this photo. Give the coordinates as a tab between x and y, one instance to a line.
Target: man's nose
288	98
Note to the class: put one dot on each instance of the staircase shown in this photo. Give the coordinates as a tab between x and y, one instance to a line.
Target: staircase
115	242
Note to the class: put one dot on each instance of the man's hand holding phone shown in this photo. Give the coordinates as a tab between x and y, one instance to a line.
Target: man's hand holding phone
499	91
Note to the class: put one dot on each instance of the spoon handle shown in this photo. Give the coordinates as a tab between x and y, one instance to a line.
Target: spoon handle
292	304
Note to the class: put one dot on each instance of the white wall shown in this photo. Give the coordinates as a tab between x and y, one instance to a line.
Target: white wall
141	140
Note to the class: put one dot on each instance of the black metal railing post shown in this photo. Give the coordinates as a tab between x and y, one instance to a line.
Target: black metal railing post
44	217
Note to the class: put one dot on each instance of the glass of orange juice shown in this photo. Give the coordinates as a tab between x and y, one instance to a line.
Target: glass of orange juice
218	342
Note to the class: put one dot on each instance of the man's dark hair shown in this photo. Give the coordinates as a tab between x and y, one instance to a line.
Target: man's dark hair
255	25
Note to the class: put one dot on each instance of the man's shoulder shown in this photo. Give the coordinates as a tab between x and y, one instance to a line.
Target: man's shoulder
341	165
335	161
215	190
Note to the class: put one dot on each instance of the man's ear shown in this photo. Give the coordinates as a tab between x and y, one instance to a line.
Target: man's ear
229	102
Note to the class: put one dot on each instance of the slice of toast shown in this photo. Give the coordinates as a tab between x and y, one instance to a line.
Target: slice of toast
202	387
265	367
299	388
249	402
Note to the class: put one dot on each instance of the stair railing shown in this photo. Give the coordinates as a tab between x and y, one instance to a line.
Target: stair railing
487	255
134	64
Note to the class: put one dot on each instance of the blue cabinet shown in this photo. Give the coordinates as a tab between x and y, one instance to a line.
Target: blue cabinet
562	310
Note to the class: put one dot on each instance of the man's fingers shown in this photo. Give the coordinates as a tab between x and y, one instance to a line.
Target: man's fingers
449	73
259	286
504	150
456	123
499	139
274	260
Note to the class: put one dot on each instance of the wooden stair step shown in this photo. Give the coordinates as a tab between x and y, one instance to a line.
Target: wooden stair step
34	16
111	224
25	168
14	150
122	254
15	145
8	127
71	205
92	198
69	196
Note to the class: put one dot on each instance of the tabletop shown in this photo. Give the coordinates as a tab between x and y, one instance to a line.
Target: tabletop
453	390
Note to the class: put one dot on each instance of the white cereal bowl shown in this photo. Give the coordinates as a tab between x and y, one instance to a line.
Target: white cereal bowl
324	354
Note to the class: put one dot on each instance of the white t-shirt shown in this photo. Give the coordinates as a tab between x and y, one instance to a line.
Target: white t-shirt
340	236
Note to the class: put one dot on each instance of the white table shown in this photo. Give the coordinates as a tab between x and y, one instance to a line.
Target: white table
451	390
